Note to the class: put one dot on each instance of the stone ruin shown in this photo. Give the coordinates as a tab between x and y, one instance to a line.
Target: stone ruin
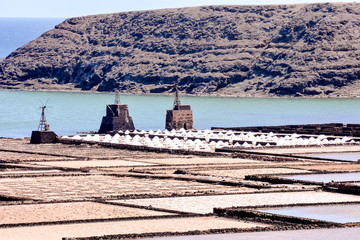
117	117
180	116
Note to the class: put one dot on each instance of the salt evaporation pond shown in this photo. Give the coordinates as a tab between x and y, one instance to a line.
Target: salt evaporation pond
326	178
329	234
330	213
347	156
206	140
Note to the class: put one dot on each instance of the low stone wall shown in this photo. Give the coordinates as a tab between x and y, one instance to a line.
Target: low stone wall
343	188
276	157
334	129
277	180
274	218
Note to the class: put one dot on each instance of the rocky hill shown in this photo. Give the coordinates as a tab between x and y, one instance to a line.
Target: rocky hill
281	50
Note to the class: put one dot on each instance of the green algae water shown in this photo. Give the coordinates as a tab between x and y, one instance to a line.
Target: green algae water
69	113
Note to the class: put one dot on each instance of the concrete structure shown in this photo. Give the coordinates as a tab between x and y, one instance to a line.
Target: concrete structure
117	118
38	137
43	134
180	116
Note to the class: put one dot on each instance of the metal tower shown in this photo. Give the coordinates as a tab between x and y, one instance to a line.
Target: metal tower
43	126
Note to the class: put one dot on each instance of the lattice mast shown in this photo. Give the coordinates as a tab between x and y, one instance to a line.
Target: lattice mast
177	97
43	126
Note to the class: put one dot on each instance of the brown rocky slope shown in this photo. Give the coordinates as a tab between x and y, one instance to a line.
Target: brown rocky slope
280	50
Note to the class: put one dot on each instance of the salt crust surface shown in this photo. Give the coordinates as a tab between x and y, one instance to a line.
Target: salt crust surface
241	173
31	213
93	163
98	186
122	227
197	160
205	204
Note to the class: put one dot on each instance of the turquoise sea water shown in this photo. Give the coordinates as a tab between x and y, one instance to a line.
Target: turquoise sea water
69	113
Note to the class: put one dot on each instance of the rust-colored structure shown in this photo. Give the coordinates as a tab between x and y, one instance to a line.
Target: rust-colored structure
180	116
117	118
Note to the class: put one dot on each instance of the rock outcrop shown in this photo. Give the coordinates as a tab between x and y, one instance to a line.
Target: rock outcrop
280	50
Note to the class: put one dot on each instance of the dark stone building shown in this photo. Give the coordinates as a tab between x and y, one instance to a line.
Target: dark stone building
38	137
180	116
117	118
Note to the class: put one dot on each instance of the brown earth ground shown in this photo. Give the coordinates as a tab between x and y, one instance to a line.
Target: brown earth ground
80	191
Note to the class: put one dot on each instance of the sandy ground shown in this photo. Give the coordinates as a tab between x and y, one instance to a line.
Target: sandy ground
343	167
13	156
123	227
92	163
241	173
205	204
198	160
31	213
28	172
75	151
204	167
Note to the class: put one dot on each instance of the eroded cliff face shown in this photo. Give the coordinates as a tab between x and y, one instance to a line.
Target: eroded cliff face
282	50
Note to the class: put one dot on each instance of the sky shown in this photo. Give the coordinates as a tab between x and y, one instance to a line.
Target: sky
77	8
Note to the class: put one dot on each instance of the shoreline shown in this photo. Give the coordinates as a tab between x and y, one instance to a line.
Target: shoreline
204	95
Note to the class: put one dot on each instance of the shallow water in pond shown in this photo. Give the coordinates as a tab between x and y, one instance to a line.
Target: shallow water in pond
326	178
348	156
321	234
331	213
